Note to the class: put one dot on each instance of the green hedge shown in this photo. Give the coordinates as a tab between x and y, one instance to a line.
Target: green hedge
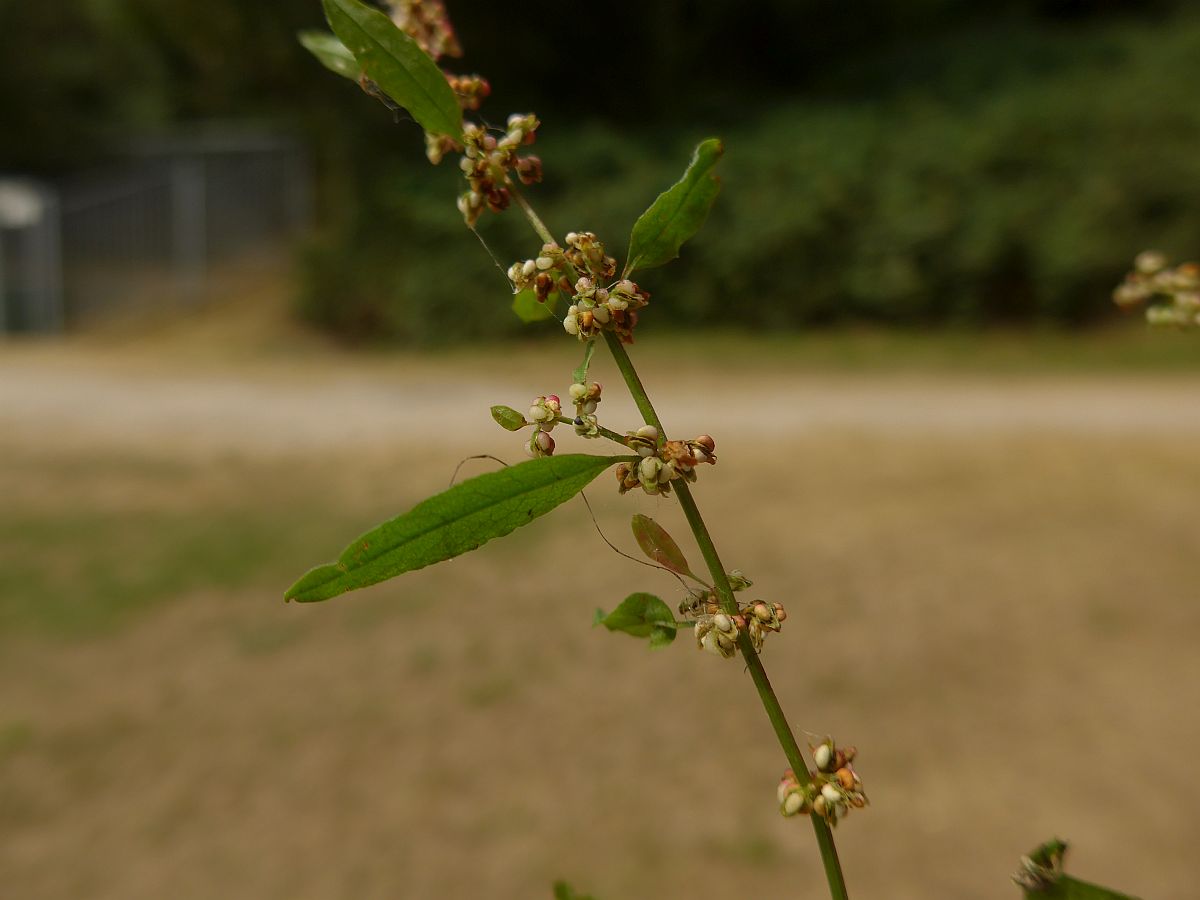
1012	182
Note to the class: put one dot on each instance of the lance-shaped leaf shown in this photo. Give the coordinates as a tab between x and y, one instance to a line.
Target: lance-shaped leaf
396	63
528	308
508	418
660	546
643	616
1041	877
331	52
451	523
678	212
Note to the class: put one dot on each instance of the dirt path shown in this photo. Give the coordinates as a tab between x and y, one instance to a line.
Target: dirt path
333	403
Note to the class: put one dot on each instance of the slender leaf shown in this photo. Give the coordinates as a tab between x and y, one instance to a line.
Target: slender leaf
451	523
529	309
660	546
643	616
395	62
678	212
1042	878
581	372
331	53
508	418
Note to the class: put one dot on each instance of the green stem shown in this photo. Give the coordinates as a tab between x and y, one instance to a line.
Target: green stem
779	722
600	429
534	219
633	382
766	693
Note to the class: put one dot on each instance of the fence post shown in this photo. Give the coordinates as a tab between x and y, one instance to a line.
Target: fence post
189	225
52	317
298	189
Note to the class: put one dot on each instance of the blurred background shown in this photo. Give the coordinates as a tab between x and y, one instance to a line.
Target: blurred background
241	322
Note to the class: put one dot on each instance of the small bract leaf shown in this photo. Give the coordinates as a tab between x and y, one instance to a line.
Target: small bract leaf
641	615
396	63
659	546
331	52
678	212
508	418
457	520
529	309
581	372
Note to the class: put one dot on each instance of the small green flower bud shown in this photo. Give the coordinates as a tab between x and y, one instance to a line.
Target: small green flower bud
823	756
793	803
648	469
1150	262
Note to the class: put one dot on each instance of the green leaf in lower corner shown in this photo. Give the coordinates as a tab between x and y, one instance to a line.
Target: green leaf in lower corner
396	63
563	891
678	212
660	546
331	53
508	418
451	523
1041	877
643	616
529	309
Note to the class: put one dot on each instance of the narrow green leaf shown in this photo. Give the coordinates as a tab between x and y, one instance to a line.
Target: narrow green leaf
508	418
451	523
660	546
678	212
641	615
331	53
581	372
530	310
395	62
1041	877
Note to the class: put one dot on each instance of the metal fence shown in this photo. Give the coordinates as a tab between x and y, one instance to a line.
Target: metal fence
146	234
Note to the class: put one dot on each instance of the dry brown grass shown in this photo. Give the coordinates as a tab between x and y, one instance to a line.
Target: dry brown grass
999	608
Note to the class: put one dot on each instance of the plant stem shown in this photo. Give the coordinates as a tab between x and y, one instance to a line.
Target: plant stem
766	693
633	382
600	430
783	731
534	219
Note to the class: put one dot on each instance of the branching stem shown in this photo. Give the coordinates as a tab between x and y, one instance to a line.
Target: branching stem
766	693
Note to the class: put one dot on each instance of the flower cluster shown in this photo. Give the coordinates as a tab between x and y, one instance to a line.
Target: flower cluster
427	23
586	397
834	790
593	307
717	632
471	90
660	465
544	415
1152	280
486	162
541	275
